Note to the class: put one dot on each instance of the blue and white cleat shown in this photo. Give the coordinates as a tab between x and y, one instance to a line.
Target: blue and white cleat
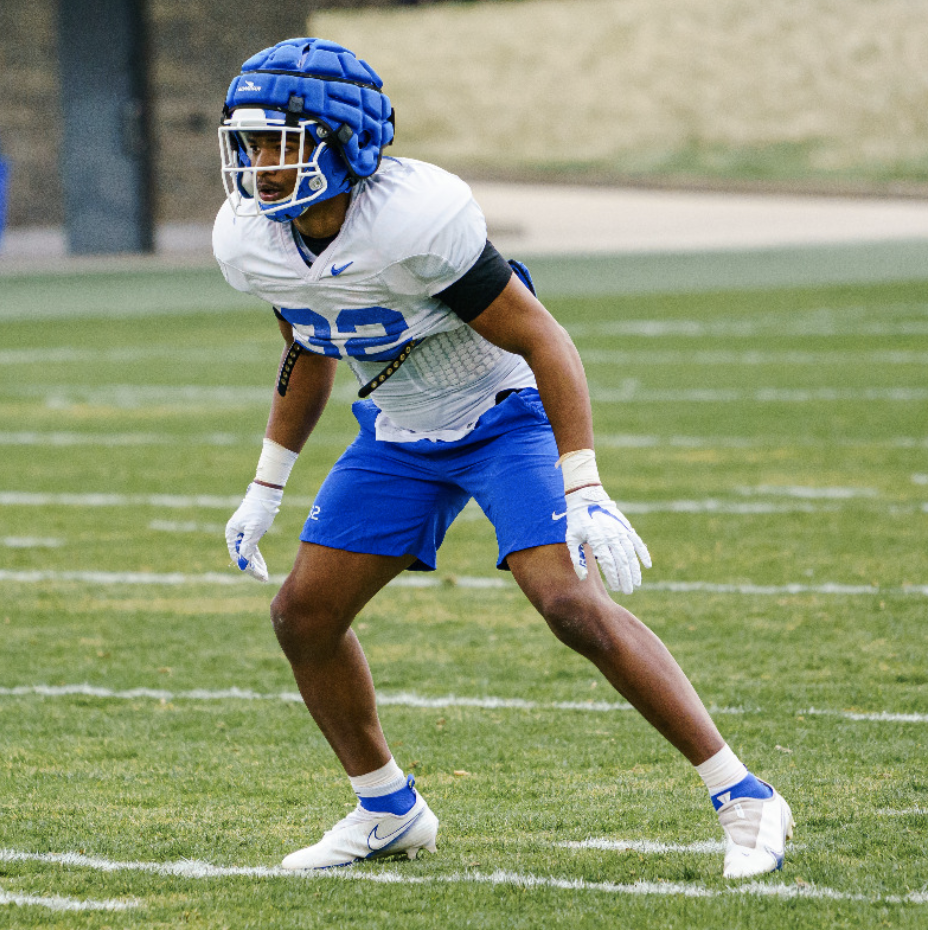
365	834
757	830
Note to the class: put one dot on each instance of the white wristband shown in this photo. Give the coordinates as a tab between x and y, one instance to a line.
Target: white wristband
275	464
579	469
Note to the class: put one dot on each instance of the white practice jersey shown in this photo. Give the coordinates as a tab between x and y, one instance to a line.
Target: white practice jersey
411	231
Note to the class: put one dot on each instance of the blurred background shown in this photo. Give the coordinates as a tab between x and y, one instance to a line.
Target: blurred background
109	110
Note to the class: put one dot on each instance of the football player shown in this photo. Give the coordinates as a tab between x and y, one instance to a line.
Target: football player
469	389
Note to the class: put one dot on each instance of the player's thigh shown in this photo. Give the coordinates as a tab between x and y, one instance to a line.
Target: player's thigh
327	588
547	577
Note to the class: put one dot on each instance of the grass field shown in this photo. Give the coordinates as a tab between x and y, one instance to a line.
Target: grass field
771	447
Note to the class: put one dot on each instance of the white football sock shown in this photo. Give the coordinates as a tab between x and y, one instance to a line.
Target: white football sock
376	784
721	771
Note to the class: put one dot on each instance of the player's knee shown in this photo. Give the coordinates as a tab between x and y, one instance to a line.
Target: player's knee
576	621
282	619
304	627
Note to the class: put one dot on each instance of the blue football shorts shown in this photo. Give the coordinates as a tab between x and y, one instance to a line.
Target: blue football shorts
391	498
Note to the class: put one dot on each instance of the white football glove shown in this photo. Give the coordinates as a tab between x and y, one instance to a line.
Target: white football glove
248	524
594	519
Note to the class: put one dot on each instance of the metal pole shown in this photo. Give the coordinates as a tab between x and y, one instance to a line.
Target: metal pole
106	155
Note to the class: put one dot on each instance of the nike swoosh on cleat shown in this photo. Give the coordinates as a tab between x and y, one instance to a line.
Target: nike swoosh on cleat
377	843
777	858
336	271
558	516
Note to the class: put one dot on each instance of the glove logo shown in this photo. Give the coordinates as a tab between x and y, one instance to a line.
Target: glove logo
595	508
242	563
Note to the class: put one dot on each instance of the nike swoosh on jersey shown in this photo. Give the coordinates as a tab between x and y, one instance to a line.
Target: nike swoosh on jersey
558	516
336	271
376	842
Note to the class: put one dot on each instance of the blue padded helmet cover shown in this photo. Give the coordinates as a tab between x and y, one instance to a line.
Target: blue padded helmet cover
317	79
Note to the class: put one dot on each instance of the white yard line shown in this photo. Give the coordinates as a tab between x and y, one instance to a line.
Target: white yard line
591	356
431	580
232	577
817	322
842	590
612	440
400	699
406	699
155	694
197	870
170	579
653	848
752	358
172	501
58	355
124	439
187	526
136	396
876	717
646	847
633	392
713	505
58	903
30	542
808	492
799	500
643	441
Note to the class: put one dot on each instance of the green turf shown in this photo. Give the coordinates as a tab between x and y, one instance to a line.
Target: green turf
689	272
755	437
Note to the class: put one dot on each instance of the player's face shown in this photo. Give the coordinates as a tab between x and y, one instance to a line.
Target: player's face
270	153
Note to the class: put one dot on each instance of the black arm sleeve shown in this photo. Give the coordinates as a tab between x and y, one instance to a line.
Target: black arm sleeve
476	289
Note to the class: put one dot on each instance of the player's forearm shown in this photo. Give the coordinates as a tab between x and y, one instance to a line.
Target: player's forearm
518	322
562	385
295	414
